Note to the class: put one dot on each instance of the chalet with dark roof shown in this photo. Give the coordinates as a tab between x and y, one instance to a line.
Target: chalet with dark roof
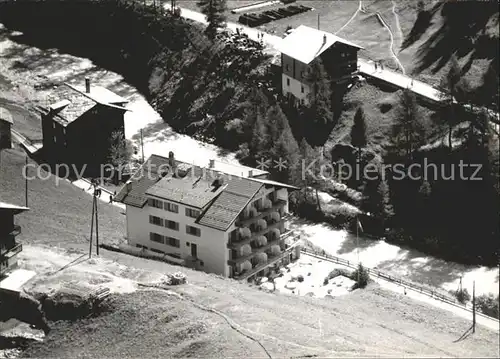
77	125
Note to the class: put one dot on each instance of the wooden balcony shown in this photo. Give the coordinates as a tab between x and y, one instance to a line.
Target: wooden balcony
255	251
16	230
247	221
8	253
271	261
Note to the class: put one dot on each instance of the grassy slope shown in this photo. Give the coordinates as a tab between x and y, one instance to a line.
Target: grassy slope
374	323
378	120
59	215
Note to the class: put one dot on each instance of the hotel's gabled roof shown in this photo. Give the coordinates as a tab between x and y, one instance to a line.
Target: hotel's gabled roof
220	196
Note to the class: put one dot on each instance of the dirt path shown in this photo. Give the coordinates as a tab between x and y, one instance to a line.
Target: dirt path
360	8
391	45
398	24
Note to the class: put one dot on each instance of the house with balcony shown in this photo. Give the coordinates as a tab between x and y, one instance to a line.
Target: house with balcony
305	45
225	219
9	249
78	123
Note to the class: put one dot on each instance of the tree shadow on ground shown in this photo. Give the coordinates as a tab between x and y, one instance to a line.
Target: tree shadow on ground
351	244
422	268
54	61
15	342
33	53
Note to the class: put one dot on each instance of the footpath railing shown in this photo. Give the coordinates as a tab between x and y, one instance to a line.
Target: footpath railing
429	292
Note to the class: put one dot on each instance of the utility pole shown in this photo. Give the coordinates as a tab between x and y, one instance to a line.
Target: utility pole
26	181
357	237
474	307
142	146
96	225
92	226
318	22
94	215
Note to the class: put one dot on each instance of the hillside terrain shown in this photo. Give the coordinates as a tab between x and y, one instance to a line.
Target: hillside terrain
357	21
212	317
59	213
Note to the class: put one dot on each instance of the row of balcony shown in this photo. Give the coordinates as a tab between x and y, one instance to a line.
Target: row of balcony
255	251
272	259
278	204
235	244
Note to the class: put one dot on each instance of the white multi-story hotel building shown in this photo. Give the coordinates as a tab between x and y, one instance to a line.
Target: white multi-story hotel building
223	219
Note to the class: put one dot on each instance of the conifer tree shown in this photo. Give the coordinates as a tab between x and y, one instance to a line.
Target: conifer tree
319	109
214	13
454	88
358	131
408	133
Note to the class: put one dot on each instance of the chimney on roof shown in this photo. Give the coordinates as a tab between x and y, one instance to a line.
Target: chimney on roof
324	39
171	161
212	164
250	173
87	85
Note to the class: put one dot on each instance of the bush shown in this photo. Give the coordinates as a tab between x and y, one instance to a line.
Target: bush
462	296
488	305
300	278
336	272
361	277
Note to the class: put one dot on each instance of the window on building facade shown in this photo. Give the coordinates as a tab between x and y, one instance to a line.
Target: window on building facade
55	139
302	89
155	237
155	203
193	213
193	231
171	207
157	251
173	242
156	220
288	82
53	125
172	225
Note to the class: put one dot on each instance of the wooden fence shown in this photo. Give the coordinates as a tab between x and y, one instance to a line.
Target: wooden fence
429	292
